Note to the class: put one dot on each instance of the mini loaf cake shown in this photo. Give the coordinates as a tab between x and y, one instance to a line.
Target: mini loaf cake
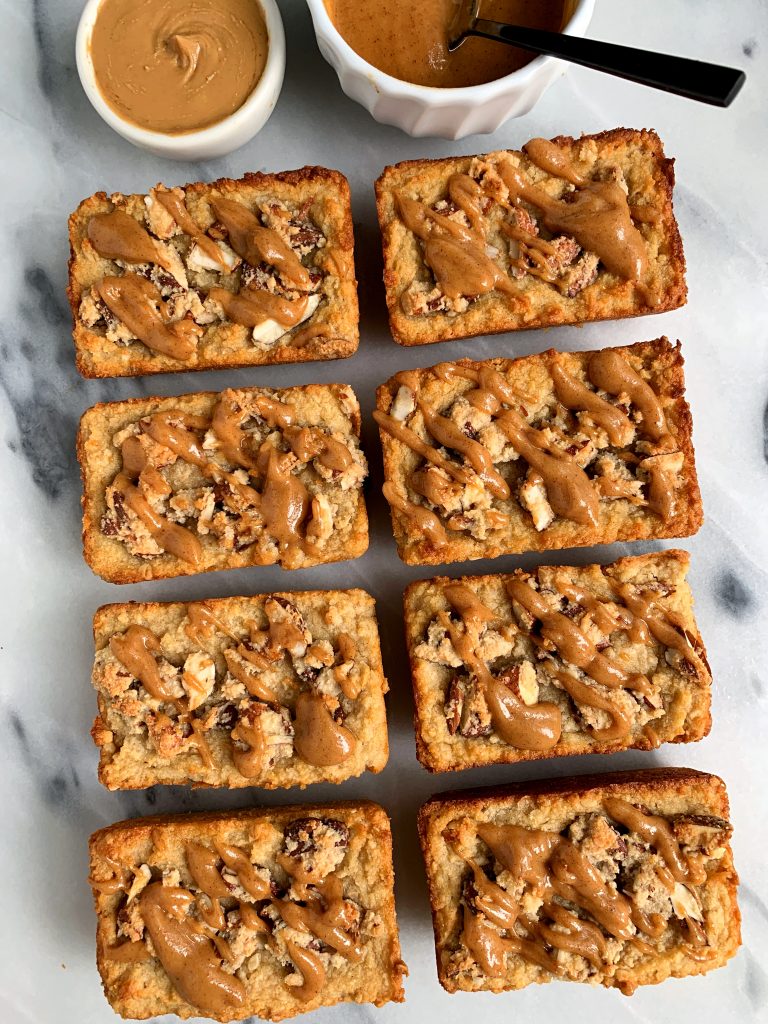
173	486
561	660
268	913
564	232
620	880
550	451
275	690
232	273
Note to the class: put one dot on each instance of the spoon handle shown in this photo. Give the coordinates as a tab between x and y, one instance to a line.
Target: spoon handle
696	79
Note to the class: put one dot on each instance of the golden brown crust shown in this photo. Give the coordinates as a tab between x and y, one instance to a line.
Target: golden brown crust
331	405
650	178
686	696
551	804
142	990
659	362
229	345
129	759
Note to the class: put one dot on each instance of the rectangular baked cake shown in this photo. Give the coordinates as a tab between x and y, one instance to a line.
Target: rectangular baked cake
252	476
621	880
274	690
557	661
232	273
267	913
564	231
555	450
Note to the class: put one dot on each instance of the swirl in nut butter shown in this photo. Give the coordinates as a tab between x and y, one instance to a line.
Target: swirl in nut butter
173	67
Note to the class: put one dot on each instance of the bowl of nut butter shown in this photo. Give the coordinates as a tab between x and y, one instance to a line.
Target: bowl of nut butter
185	79
394	60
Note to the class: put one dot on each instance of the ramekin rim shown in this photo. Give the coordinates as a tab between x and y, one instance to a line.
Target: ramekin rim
437	96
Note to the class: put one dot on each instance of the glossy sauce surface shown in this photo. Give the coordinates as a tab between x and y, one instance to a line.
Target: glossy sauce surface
410	40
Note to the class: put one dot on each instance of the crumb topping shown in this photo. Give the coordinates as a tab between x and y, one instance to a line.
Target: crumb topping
587	903
250	476
214	920
487	452
232	696
198	275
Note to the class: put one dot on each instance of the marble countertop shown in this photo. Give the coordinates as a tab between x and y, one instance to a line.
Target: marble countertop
55	151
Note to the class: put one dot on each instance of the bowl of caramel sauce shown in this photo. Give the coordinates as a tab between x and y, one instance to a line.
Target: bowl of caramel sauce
393	59
186	79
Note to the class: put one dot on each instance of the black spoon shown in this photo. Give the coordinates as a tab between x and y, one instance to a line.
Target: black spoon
707	83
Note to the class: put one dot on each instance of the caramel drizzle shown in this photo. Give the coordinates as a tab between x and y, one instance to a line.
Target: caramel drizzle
597	215
249	731
176	206
203	623
138	303
612	373
190	950
640	617
136	650
644	607
324	916
572	643
188	957
534	727
284	501
455	254
425	521
554	867
257	244
570	492
318	738
252	306
575	396
118	236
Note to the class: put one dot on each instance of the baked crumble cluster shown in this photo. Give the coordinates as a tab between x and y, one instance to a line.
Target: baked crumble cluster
252	476
239	692
594	444
614	651
610	892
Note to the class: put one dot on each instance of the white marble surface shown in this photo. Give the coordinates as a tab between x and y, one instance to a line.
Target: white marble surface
54	152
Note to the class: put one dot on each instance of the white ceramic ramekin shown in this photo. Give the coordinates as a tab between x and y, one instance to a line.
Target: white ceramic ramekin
218	140
450	113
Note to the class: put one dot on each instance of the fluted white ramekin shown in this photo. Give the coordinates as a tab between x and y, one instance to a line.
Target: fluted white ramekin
218	140
450	113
